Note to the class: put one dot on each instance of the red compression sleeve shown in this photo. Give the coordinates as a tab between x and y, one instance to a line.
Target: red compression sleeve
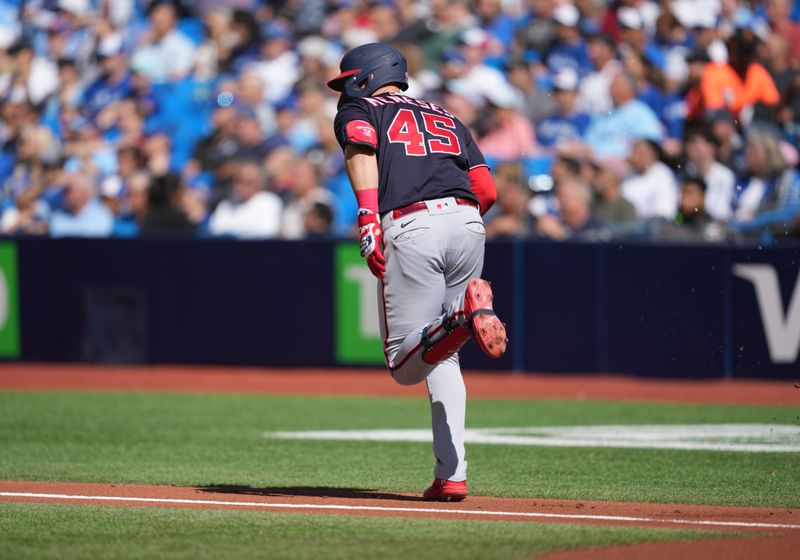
367	199
483	186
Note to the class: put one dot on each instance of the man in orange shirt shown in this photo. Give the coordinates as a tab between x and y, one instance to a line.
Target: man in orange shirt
757	85
713	86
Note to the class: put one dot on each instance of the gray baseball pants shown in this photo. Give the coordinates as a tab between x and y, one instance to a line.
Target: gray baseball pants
431	255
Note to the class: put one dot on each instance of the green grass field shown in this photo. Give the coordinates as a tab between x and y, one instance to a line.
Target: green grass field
200	440
84	532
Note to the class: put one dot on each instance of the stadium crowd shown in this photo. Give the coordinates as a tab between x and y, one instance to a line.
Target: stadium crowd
674	120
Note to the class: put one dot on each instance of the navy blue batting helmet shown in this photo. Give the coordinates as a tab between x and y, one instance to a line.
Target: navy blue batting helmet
366	68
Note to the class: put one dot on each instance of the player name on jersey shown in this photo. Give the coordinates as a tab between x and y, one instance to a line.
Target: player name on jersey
396	98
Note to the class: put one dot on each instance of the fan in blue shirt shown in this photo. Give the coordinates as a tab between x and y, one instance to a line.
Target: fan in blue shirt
566	124
569	49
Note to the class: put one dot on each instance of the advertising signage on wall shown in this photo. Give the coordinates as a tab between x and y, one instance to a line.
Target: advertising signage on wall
781	323
9	318
766	315
357	332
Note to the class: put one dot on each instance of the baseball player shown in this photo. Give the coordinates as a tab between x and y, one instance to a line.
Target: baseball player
422	186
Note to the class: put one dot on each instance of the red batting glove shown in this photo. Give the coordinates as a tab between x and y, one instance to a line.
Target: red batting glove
369	226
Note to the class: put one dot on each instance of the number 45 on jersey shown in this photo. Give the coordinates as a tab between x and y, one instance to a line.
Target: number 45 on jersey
439	137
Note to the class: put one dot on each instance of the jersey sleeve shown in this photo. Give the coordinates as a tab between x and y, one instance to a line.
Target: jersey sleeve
475	158
353	125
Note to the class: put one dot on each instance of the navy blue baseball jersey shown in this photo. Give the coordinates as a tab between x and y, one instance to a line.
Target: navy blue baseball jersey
423	151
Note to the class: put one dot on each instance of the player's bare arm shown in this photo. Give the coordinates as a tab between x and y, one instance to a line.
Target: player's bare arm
362	169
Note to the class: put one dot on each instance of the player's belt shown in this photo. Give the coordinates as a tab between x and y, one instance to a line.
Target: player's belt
417	206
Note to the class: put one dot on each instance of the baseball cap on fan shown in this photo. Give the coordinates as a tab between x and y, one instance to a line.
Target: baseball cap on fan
502	97
274	30
566	15
630	18
110	46
565	79
474	37
77	7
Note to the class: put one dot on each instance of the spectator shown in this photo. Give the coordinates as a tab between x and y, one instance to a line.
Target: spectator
499	26
82	214
251	212
478	76
245	41
250	140
164	213
133	205
115	82
568	50
730	144
214	154
279	66
594	93
567	125
651	188
537	103
442	30
513	218
303	208
631	119
383	20
718	180
768	183
787	80
317	55
636	39
565	168
165	53
610	206
319	221
575	212
216	54
713	86
30	77
510	136
250	94
36	150
759	94
780	22
31	169
692	210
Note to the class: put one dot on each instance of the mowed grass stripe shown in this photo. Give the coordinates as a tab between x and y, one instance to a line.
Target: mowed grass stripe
44	531
204	440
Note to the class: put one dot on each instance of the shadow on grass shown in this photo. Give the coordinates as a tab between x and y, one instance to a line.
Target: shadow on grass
308	491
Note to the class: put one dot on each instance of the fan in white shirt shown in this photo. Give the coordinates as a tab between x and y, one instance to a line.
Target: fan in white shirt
594	95
652	189
701	152
250	213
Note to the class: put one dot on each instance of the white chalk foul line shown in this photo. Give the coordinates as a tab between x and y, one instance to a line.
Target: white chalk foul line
484	513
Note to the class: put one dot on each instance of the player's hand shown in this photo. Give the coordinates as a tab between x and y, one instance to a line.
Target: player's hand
369	227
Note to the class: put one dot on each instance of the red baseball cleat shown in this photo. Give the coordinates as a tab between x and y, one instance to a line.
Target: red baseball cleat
486	328
446	491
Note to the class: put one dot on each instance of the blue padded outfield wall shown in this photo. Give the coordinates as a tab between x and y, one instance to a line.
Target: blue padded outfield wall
653	310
